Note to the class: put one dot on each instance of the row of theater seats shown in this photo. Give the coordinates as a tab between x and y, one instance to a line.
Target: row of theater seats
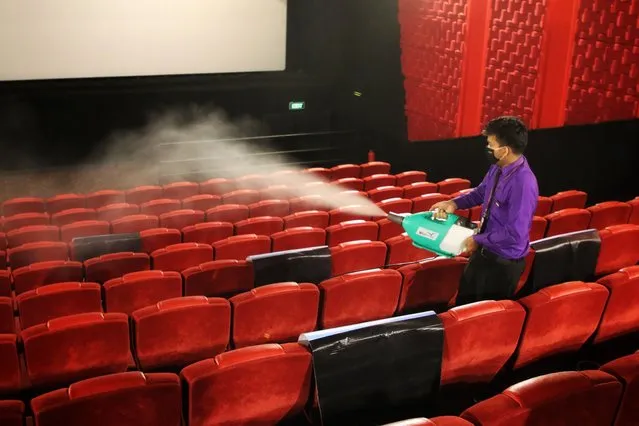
608	396
480	341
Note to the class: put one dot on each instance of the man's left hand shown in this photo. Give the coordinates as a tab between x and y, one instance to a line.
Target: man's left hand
470	245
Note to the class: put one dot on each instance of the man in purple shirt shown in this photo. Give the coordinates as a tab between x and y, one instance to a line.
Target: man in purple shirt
508	196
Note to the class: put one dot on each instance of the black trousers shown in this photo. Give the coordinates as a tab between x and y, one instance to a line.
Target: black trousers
489	277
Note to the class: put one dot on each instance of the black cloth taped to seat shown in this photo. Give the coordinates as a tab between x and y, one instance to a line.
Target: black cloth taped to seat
309	265
380	373
570	257
84	248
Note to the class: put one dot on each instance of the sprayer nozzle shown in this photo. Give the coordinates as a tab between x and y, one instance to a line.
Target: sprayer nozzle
396	218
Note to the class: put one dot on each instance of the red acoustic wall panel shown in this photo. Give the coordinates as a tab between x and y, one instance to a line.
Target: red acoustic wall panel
432	43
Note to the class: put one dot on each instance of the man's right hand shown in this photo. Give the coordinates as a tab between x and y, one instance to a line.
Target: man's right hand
443	208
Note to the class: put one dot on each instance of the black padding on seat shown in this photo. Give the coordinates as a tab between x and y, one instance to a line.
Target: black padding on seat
311	265
379	373
84	248
569	257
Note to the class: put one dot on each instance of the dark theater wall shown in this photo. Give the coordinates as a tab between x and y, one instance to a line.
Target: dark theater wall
552	62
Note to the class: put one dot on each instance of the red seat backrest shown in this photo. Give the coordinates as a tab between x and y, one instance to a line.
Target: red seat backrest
402	250
253	181
634	215
352	230
388	229
117	211
201	202
544	206
23	205
160	206
307	203
11	413
345	171
227	213
626	370
178	257
276	208
84	228
65	202
25	219
385	192
538	228
452	185
180	190
241	196
374	168
343	214
350	183
106	267
396	205
217	186
312	218
298	238
179	219
218	278
619	248
425	202
417	189
134	223
98	199
66	217
379	180
275	192
609	214
143	194
43	251
207	232
157	238
266	225
137	290
5	283
569	200
32	234
44	273
357	256
620	317
242	246
567	221
10	376
7	322
411	176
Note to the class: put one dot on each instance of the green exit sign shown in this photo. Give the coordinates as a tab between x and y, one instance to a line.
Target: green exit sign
296	106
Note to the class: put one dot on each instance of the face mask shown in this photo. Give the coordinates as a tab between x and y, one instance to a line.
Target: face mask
490	156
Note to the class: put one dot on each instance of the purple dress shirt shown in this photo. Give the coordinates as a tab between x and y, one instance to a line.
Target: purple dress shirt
507	229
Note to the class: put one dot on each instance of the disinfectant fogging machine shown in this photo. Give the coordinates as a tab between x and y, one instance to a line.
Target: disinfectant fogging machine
444	237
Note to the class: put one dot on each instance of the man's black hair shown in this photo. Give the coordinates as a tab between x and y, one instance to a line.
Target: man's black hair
509	131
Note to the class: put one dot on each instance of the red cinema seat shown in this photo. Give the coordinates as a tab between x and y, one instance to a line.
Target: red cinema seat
626	370
218	278
374	168
343	303
158	238
317	189
58	300
350	183
117	211
143	194
345	214
357	256
379	180
298	238
567	221
11	413
180	190
276	313
44	273
312	218
180	331
610	213
396	205
585	398
254	181
179	257
240	247
569	200
217	186
84	228
207	232
10	376
409	177
106	267
425	202
241	196
275	192
52	350
417	189
634	215
437	421
620	317
276	384
528	264
308	203
320	172
201	202
23	205
25	219
276	208
135	223
479	338
32	234
3	241
345	171
388	229
5	283
160	206
231	213
260	226
619	248
538	228
541	338
117	399
7	322
138	290
430	284
98	199
3	259
352	230
544	206
401	250
43	251
452	185
66	217
179	219
65	202
385	192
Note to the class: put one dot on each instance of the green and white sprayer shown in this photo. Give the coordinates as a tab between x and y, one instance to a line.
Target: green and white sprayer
444	237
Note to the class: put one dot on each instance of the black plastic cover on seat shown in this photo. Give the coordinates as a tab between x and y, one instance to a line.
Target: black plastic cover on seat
569	257
377	372
308	265
84	248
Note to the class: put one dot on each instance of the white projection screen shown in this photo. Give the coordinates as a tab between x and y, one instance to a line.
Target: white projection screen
55	39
